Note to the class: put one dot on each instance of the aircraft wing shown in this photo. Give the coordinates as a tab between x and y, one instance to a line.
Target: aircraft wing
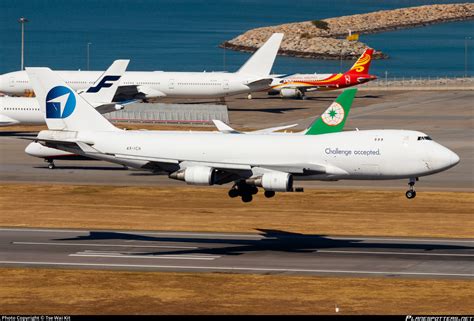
272	129
226	129
108	108
314	88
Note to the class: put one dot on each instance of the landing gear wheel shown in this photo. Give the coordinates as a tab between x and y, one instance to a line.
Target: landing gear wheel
246	198
269	194
254	190
51	164
410	194
233	193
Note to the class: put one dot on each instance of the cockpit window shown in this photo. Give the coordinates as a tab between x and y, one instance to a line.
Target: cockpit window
424	138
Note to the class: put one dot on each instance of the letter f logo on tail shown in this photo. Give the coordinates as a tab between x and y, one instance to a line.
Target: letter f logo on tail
106	82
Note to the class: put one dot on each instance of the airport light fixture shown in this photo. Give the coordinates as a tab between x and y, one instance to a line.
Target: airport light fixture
22	21
88	54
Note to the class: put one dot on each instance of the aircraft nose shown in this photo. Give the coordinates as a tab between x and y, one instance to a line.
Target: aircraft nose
454	158
447	158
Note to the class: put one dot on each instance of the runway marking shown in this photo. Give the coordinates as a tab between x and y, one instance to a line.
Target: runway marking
393	253
166	257
402	240
220	268
106	245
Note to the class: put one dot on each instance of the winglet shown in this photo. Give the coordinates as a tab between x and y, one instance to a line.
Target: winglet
261	62
224	128
334	118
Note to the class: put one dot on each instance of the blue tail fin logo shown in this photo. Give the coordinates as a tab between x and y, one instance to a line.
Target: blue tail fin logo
60	102
106	82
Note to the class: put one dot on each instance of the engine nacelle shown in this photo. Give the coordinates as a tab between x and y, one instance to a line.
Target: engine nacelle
273	181
290	93
195	175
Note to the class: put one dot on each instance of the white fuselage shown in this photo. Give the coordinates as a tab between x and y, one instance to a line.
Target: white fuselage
150	84
20	110
371	154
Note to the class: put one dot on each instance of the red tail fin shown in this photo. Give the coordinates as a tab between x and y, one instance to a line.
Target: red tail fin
362	64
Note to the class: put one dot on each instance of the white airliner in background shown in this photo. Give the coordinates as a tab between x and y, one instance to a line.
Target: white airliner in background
254	75
26	110
248	161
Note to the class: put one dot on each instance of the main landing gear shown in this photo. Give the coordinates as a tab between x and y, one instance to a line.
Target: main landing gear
50	163
246	192
411	193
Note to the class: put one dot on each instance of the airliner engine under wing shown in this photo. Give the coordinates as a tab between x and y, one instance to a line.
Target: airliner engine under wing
254	75
248	161
321	125
26	110
296	85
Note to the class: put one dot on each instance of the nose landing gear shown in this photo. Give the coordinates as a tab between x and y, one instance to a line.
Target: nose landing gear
50	163
411	193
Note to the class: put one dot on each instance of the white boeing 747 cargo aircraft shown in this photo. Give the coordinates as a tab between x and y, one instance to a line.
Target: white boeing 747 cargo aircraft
248	161
26	110
253	76
318	127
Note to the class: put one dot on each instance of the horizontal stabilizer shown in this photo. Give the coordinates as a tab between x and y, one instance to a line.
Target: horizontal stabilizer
261	83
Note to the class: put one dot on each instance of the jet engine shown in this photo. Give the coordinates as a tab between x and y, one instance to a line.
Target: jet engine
273	181
195	175
290	93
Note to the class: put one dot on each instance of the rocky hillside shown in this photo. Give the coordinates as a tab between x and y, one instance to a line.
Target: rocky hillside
324	39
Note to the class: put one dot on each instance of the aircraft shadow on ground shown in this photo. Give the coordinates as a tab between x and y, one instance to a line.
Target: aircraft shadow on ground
266	110
274	240
18	134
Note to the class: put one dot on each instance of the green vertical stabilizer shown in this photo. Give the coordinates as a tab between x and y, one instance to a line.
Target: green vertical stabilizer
334	118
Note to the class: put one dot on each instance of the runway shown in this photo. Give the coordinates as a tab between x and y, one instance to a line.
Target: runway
268	252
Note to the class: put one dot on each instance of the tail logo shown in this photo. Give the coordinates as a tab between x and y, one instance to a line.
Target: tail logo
106	82
359	66
60	102
334	115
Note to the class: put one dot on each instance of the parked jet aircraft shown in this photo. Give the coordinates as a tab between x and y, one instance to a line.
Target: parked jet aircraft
26	110
295	86
254	75
248	161
318	127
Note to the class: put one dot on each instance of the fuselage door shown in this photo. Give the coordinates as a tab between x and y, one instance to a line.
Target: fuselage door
225	84
12	82
405	140
171	84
